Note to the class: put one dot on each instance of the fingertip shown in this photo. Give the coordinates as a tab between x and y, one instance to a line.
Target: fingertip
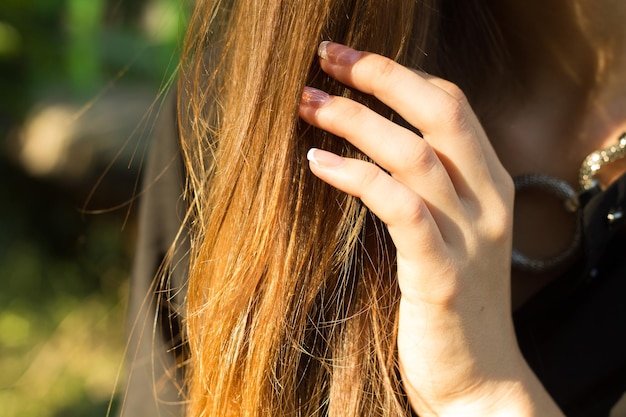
338	54
310	155
322	51
313	97
324	159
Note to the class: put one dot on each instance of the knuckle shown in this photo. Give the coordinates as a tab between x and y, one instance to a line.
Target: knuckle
385	67
340	116
455	91
349	112
453	109
508	186
369	176
453	113
417	156
414	212
498	223
384	72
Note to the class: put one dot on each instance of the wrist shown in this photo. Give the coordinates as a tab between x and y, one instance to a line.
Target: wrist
466	365
521	395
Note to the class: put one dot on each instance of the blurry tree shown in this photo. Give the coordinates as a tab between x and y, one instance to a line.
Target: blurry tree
64	273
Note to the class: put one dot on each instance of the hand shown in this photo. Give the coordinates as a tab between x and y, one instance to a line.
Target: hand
447	202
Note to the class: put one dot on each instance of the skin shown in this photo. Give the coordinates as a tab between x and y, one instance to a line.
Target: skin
573	103
448	198
448	206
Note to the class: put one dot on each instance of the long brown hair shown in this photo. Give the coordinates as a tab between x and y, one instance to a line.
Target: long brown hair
292	298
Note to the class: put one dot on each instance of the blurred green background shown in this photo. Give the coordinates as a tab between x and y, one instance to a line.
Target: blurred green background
77	81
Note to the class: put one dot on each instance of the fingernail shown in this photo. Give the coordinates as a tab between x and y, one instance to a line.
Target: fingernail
323	158
337	53
314	97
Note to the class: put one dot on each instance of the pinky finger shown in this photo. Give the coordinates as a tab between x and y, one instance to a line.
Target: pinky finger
410	222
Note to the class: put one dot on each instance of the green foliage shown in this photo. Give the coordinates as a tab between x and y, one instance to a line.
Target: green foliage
77	46
64	273
62	304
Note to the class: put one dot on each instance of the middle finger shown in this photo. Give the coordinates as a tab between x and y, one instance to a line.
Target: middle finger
442	115
406	156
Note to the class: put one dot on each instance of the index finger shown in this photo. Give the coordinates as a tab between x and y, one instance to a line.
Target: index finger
436	107
393	84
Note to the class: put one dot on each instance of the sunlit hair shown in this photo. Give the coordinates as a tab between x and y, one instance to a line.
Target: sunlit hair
292	298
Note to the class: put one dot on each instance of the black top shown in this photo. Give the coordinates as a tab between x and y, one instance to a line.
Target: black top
572	333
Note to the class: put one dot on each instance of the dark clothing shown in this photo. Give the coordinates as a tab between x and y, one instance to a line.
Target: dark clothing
573	332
